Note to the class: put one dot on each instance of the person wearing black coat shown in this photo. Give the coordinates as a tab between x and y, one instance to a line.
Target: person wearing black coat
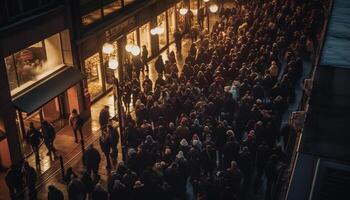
30	177
104	117
105	143
99	193
92	160
159	65
35	140
144	57
14	180
49	135
114	140
54	193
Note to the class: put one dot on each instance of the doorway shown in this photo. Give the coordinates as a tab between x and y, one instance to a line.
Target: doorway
54	112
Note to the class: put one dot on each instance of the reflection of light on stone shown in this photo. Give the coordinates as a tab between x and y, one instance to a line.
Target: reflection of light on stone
183	11
213	8
107	48
135	50
113	63
128	47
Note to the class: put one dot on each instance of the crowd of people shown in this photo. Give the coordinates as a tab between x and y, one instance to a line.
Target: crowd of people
211	130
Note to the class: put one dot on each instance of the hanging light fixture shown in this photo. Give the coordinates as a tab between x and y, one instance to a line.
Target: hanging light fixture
128	47
107	48
183	11
153	31
113	63
135	50
206	1
213	8
157	30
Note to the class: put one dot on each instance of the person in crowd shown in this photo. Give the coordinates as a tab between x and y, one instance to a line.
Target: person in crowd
14	180
104	117
92	160
159	65
49	135
54	193
35	142
178	40
70	174
145	58
105	144
75	122
211	130
114	140
30	178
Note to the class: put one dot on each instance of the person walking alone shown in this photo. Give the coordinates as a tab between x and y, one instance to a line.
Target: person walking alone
30	178
159	65
49	135
178	38
104	117
75	122
144	58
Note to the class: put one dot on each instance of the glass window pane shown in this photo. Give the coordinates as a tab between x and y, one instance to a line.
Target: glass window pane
131	38
38	61
112	7
161	20
11	72
172	23
145	38
91	17
93	73
180	18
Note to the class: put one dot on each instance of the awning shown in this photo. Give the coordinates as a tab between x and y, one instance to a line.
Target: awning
48	90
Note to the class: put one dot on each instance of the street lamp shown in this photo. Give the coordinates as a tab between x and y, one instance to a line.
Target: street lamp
107	48
157	30
213	8
183	11
135	50
113	63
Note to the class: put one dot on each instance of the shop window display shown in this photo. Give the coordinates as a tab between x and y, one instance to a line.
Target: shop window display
127	2
91	17
161	21
34	63
172	23
93	75
180	18
112	6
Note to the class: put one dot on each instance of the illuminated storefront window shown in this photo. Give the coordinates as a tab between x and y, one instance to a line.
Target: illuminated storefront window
172	23
127	2
111	6
34	63
180	18
131	38
93	75
161	22
145	38
91	17
194	11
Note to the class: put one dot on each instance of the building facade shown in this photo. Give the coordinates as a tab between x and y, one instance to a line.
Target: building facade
51	58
